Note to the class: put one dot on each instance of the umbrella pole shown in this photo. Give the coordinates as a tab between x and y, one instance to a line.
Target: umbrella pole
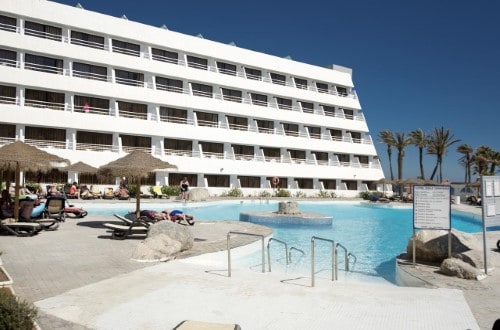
16	194
138	199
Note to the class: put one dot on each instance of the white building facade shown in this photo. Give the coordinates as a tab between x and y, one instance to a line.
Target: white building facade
90	87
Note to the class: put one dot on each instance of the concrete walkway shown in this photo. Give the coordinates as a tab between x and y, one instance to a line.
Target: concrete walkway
80	279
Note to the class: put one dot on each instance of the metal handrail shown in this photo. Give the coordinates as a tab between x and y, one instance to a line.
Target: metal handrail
290	253
269	252
312	257
229	250
346	259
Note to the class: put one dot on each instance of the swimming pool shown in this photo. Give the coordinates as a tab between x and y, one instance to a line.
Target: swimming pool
375	234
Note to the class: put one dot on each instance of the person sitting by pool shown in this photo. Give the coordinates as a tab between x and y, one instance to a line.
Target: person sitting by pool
178	216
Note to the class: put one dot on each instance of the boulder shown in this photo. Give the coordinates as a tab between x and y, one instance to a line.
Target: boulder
432	246
165	239
288	208
198	194
458	268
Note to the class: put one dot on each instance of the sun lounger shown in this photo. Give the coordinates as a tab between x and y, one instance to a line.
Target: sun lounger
198	325
108	193
157	192
123	231
144	192
54	209
20	228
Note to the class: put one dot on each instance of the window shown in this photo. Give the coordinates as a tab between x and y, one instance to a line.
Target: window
43	64
127	48
314	132
284	104
178	145
165	55
129	78
329	111
212	148
44	99
237	123
272	154
291	129
231	95
87	40
217	180
297	155
356	137
265	126
8	58
304	183
322	88
135	142
169	85
307	107
133	110
8	23
45	134
329	184
278	79
344	159
226	68
42	31
249	181
259	99
93	138
7	131
341	91
348	114
197	62
89	71
242	152
202	90
336	134
173	115
300	83
321	157
363	160
91	105
7	94
253	74
207	119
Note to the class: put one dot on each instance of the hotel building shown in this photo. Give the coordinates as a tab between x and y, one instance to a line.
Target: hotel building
91	87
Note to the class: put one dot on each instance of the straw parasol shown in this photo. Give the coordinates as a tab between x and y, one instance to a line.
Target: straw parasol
81	167
21	156
384	182
135	165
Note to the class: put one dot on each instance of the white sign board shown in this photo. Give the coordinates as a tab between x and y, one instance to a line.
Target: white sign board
490	199
432	207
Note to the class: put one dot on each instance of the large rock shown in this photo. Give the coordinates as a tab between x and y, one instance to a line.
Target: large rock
198	194
432	245
165	239
458	268
288	208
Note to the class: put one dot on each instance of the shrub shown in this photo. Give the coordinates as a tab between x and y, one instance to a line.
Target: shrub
364	194
234	192
264	194
15	313
133	189
174	190
300	194
282	193
32	186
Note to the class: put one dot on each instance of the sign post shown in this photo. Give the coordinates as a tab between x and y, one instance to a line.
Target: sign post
431	210
490	201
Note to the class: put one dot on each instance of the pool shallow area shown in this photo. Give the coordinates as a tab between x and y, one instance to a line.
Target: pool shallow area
374	233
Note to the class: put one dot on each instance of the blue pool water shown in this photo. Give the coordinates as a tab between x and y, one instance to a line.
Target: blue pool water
374	234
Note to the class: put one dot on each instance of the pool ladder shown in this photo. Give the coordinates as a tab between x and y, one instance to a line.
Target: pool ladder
288	253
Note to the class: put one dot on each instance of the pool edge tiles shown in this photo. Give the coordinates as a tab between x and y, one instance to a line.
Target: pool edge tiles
304	218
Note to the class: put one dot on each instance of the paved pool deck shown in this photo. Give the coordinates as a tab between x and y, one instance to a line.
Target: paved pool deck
81	279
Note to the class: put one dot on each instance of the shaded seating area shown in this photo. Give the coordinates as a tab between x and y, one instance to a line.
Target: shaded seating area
157	192
11	226
144	192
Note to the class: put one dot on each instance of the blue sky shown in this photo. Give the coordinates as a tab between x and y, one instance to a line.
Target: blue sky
416	64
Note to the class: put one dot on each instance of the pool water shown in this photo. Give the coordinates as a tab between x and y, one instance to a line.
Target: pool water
374	234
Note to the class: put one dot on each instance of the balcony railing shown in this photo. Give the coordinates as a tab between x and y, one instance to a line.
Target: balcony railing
94	147
86	43
43	68
130	82
133	148
9	62
8	27
126	51
42	34
90	75
44	104
133	114
93	110
46	143
9	100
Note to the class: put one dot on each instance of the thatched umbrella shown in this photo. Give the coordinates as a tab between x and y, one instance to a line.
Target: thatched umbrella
21	156
385	182
79	168
136	165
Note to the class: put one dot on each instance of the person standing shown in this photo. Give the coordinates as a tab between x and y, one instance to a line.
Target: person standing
184	188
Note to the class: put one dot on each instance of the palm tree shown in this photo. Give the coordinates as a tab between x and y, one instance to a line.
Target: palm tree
420	140
387	137
400	143
482	158
495	160
466	160
439	142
